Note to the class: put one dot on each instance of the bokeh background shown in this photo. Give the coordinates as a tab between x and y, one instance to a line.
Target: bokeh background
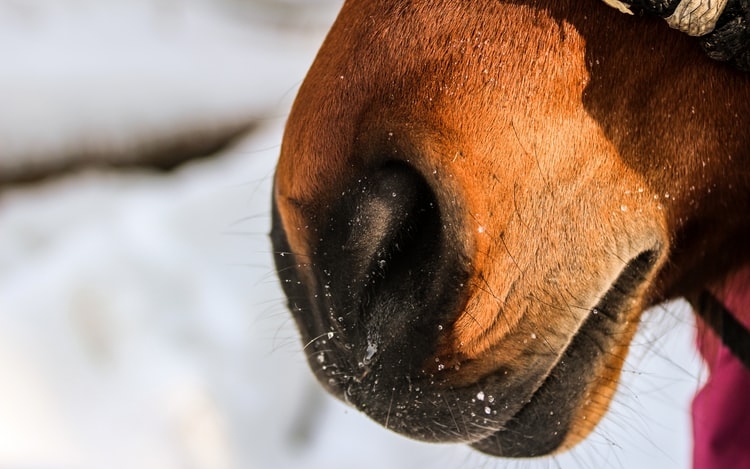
141	324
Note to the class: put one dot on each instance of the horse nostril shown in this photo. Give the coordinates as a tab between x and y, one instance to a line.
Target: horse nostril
382	266
386	265
393	221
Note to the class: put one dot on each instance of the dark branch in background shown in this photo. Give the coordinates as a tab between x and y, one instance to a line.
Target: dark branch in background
163	153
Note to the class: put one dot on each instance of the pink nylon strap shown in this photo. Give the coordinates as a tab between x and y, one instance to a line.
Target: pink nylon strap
721	409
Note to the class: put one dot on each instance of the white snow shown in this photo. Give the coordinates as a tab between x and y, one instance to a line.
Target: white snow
141	324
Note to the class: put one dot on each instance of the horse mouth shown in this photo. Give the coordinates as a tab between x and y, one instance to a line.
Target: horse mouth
542	425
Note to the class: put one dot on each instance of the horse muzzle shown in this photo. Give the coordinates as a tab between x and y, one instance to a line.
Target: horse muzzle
381	285
465	255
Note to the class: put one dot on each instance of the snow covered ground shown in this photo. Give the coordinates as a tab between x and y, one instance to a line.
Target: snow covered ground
141	324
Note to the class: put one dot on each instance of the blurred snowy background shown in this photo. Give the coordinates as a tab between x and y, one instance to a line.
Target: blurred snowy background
141	325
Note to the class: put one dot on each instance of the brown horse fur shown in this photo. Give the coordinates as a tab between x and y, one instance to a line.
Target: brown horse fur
555	168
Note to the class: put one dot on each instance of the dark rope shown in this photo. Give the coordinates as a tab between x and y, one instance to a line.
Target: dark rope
662	8
732	333
730	39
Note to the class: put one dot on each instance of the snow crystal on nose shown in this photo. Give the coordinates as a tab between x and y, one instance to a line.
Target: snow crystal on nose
370	351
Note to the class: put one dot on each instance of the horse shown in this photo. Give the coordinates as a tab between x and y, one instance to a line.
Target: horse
475	201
